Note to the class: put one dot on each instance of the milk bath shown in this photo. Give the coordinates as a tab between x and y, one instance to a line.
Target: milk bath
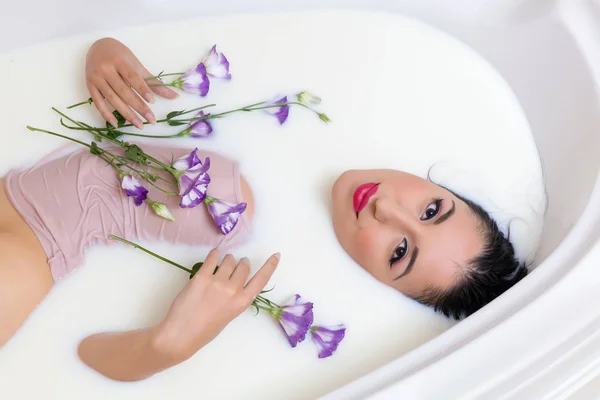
400	95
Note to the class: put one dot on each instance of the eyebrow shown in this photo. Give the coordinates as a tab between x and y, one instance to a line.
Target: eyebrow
411	262
447	215
415	253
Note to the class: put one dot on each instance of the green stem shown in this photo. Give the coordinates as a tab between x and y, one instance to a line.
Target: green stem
81	125
166	167
161	75
111	162
161	84
100	131
143	175
266	301
137	246
81	143
257	300
192	110
151	136
124	160
88	101
261	307
59	135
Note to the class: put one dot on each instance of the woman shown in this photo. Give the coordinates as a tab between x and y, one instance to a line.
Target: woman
409	233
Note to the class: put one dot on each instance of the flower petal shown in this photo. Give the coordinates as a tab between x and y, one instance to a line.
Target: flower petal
327	339
295	318
186	162
217	64
225	215
193	191
196	81
201	127
281	113
134	189
295	327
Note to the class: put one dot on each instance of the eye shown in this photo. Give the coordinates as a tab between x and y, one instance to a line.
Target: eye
399	252
432	210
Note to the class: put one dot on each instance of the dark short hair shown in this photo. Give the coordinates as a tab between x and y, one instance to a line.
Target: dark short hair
484	278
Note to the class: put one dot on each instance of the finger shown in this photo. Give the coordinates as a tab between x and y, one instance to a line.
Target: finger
129	97
261	278
210	263
100	104
162	91
226	268
241	273
137	82
114	99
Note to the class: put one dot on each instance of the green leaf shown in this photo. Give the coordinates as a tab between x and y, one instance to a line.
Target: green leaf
176	123
267	290
174	114
133	153
111	133
95	150
196	268
120	119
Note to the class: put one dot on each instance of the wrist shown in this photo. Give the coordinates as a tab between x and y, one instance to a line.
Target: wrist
165	343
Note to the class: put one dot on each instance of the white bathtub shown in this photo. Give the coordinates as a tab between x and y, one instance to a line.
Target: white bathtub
542	338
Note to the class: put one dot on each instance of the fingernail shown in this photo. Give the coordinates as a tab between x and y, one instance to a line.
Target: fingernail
277	256
150	118
245	260
113	122
149	98
138	123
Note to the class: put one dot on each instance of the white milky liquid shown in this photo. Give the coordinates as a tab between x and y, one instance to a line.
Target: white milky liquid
400	95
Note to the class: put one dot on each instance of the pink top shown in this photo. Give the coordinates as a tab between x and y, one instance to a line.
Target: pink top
76	200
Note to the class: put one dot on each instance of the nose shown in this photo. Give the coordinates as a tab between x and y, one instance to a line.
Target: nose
390	212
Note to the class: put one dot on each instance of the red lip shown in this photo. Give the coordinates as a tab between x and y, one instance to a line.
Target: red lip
362	195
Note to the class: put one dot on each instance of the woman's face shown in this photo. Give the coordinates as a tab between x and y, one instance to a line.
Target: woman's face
407	232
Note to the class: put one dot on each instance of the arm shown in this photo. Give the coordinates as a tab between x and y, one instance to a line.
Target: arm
199	313
114	73
127	356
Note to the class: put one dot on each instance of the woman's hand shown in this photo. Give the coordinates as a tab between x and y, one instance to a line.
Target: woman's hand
209	302
114	73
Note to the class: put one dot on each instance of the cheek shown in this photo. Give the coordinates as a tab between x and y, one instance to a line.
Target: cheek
368	252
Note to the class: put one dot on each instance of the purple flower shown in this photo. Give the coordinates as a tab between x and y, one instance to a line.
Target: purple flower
192	179
280	112
133	188
190	162
327	339
200	127
295	319
225	215
193	191
194	81
216	64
